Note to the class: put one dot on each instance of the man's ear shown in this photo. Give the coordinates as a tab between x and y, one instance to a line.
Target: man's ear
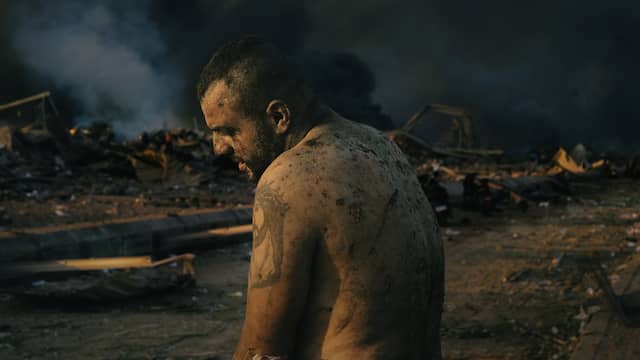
280	116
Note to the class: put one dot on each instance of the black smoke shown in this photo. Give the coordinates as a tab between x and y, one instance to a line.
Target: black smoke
533	74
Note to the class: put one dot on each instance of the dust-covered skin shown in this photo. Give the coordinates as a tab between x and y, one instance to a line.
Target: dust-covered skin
234	134
347	262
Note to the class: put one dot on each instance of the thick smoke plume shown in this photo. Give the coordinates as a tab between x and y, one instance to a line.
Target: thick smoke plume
532	73
106	57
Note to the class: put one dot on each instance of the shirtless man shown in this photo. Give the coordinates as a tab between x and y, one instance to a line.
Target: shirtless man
347	262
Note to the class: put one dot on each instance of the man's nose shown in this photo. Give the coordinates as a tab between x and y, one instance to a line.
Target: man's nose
220	147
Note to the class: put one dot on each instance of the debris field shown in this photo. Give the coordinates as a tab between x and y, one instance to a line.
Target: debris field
533	248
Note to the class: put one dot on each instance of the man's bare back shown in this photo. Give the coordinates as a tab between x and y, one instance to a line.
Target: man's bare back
373	258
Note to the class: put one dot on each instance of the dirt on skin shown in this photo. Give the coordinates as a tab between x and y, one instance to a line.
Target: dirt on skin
506	296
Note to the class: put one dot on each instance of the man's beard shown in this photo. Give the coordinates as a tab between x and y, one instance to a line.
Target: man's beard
268	147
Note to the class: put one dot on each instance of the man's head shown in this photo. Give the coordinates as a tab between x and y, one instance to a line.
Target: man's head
252	101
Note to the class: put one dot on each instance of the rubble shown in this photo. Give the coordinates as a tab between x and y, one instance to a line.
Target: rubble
459	146
99	177
6	138
34	117
154	173
489	185
492	186
171	161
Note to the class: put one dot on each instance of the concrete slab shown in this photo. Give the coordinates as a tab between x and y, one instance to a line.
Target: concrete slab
123	238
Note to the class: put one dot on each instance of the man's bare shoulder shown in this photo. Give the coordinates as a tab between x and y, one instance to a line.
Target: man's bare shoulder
294	175
333	159
292	168
307	161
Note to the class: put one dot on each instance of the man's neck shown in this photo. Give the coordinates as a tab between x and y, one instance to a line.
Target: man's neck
321	115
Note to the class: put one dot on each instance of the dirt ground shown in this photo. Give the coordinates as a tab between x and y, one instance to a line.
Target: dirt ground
102	198
509	292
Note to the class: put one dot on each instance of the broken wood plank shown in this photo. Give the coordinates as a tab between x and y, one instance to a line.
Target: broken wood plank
107	263
207	239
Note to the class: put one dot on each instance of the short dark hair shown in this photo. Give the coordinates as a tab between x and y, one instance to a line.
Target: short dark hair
256	72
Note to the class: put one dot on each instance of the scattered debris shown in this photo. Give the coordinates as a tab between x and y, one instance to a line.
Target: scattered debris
94	164
519	275
169	166
488	187
459	145
634	230
564	162
451	232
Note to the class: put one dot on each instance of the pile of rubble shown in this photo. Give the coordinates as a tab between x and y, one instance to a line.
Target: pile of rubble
489	186
453	173
37	165
51	174
41	159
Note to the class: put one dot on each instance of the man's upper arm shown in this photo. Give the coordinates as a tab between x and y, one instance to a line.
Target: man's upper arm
283	244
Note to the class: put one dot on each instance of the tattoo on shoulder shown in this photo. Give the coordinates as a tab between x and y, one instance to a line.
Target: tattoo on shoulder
268	224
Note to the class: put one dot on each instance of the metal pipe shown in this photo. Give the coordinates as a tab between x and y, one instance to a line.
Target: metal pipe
26	100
